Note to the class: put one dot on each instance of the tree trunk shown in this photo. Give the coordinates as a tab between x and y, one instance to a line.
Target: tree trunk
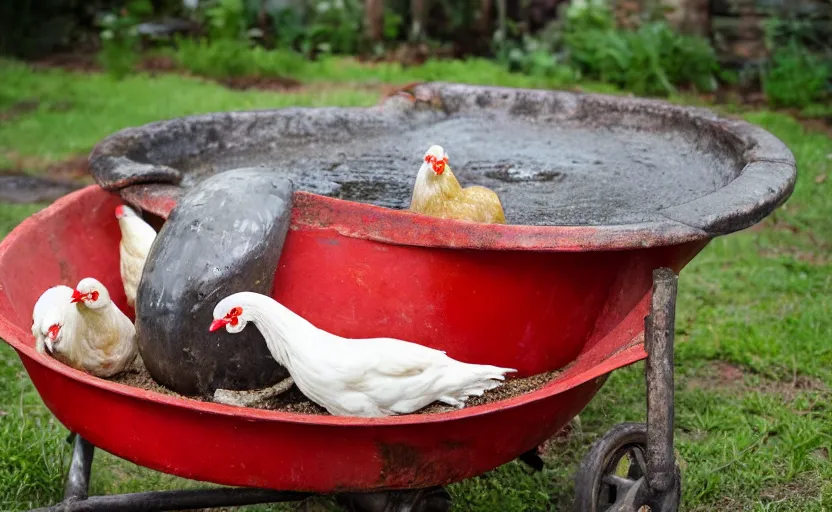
417	15
484	21
374	20
501	18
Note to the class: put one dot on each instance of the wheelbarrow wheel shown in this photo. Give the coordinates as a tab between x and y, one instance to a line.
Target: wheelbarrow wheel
611	478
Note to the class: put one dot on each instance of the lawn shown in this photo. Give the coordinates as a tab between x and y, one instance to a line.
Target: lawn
754	358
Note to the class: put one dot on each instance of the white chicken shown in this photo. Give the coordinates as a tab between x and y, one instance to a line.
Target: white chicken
356	377
48	316
94	336
137	237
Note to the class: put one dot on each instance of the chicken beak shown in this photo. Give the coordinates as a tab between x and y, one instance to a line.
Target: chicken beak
216	324
49	346
77	296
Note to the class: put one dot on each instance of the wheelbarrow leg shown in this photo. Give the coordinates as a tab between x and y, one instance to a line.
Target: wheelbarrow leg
653	478
77	499
533	459
658	339
78	477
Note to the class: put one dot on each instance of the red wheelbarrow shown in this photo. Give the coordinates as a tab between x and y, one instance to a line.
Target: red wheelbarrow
585	298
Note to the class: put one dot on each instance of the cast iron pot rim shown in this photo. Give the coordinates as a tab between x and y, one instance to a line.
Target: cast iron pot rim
765	182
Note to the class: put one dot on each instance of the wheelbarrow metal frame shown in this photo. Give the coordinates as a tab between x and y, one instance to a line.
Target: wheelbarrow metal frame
659	488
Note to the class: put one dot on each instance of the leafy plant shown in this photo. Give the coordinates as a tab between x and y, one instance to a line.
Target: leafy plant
801	28
334	27
290	30
533	57
589	15
220	58
650	60
120	39
226	20
224	58
392	24
795	77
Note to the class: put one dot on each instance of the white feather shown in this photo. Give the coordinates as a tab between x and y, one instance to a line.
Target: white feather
49	310
359	377
137	237
96	336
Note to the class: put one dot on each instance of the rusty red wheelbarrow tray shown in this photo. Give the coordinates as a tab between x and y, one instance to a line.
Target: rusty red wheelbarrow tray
537	298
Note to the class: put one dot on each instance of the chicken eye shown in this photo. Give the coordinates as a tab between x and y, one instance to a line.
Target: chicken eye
236	311
94	296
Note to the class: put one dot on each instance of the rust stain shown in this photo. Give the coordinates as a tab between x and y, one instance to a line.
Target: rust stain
397	456
408	465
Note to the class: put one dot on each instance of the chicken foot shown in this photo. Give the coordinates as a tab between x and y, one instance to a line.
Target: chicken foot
254	397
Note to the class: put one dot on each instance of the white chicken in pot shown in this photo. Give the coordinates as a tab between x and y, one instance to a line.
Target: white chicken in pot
356	377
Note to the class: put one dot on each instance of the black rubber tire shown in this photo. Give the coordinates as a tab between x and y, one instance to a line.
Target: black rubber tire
602	458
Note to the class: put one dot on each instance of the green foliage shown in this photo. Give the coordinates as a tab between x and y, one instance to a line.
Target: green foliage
532	57
796	78
120	39
334	27
651	60
807	29
224	58
221	58
99	106
289	28
589	15
226	20
392	24
327	27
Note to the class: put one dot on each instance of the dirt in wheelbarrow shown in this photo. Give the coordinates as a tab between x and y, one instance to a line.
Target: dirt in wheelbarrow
294	401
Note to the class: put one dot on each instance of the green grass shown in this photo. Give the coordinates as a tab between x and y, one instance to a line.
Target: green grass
754	359
90	107
224	59
75	111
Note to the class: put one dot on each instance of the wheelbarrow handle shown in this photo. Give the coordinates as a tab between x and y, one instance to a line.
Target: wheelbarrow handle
659	328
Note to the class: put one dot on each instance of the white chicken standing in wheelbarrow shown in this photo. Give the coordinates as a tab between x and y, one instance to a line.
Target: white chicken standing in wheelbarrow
356	377
84	329
137	237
